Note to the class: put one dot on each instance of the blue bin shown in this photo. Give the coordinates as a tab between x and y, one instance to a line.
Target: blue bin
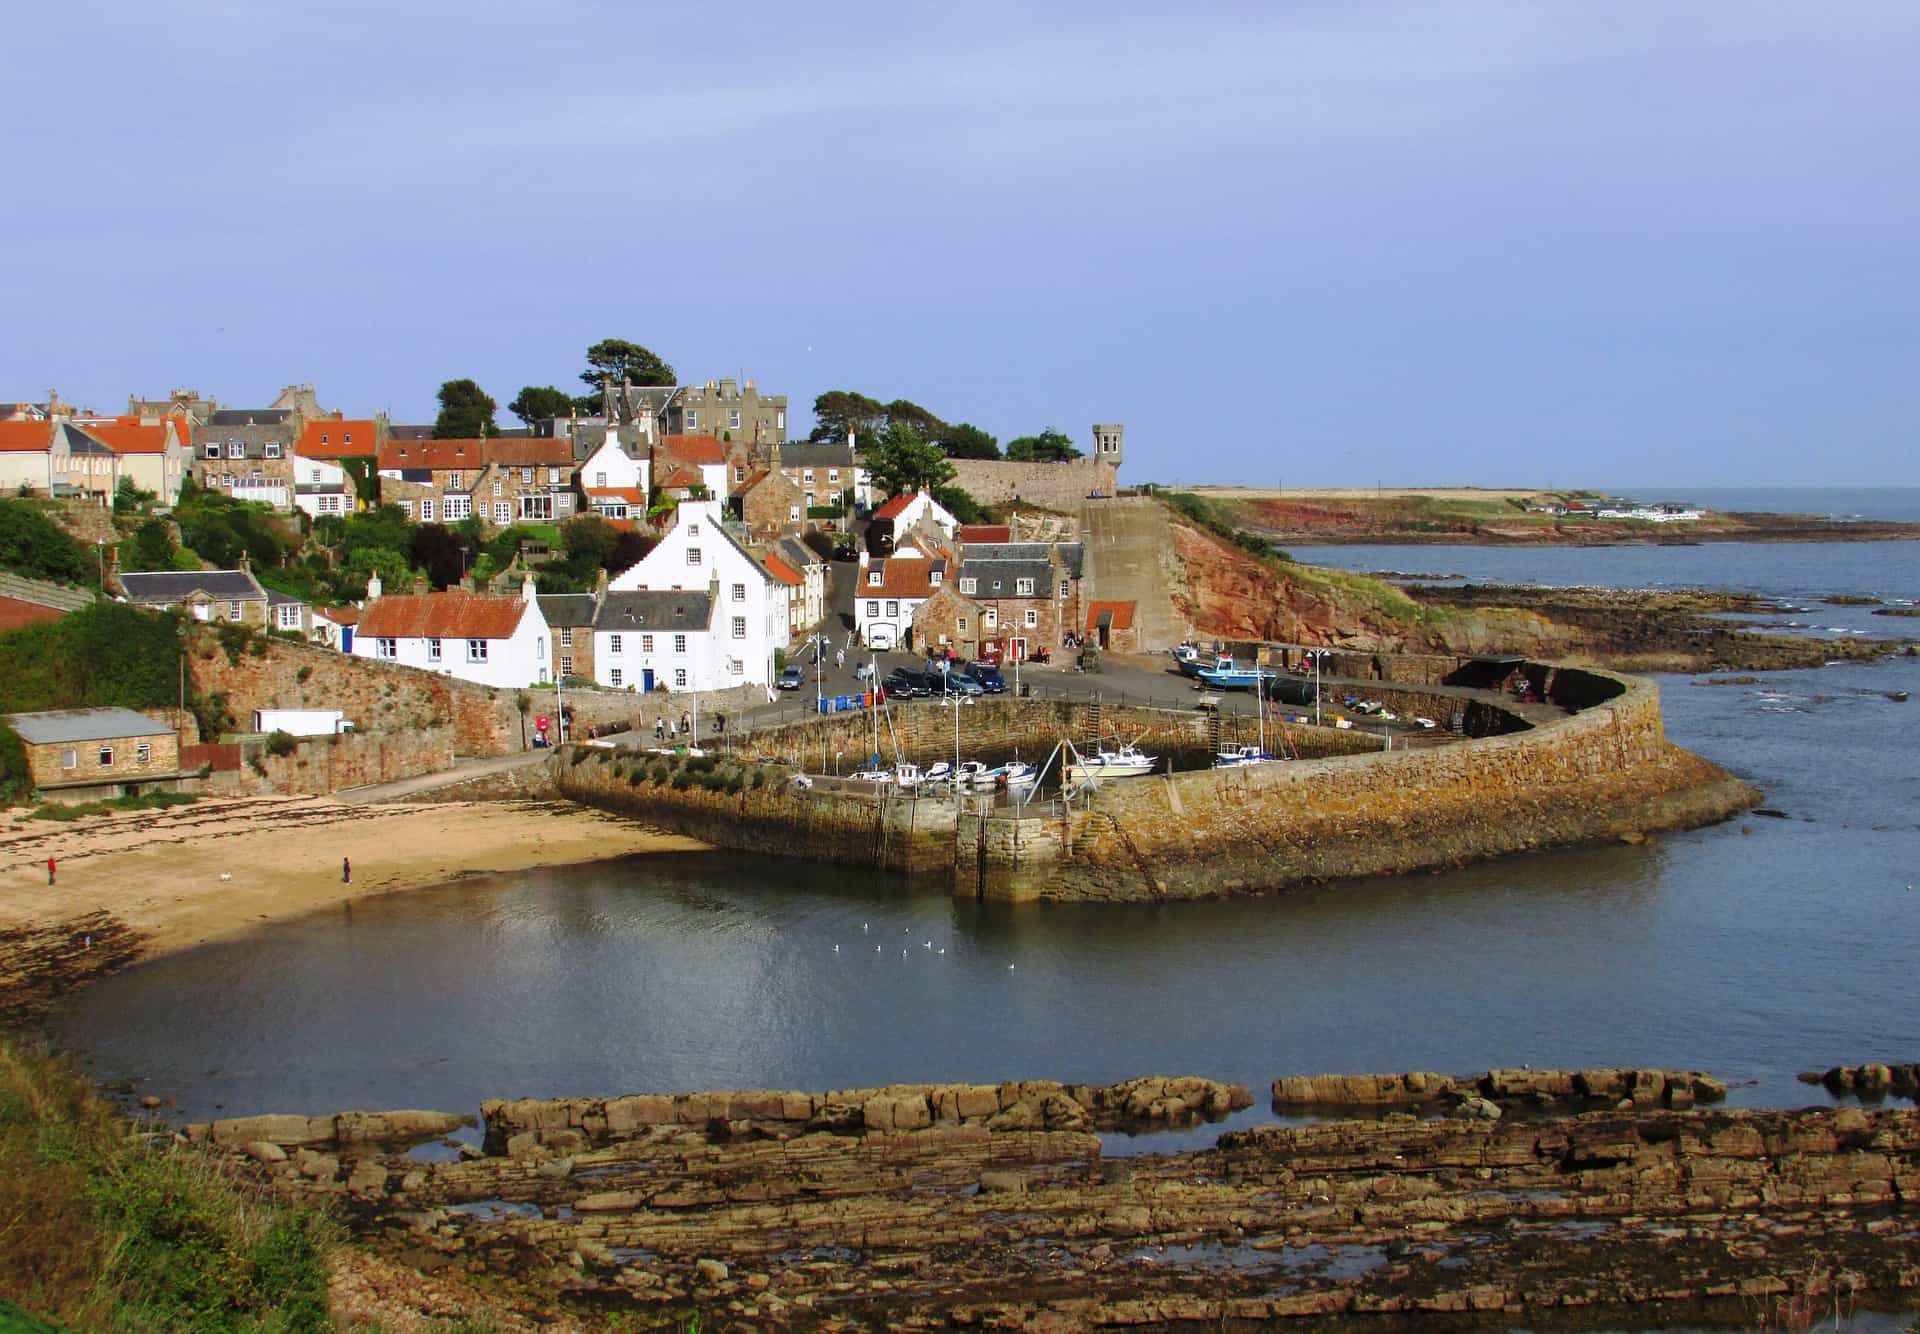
826	706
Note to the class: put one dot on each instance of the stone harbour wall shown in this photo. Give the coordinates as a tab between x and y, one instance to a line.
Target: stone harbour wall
1604	773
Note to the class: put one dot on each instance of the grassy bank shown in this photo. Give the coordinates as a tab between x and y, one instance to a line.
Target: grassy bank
103	1228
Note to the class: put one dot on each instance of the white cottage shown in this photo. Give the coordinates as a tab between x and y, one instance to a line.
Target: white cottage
748	616
491	641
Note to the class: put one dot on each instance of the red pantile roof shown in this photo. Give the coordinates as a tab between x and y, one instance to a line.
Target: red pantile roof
694	449
1122	615
127	435
680	477
439	455
909	578
985	532
535	452
894	508
339	615
633	495
784	572
442	616
15	613
335	439
25	437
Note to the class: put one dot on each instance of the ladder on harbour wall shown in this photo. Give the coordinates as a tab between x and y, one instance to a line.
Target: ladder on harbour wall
1093	724
1213	731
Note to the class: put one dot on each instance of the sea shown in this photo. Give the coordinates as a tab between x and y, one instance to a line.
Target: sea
1785	940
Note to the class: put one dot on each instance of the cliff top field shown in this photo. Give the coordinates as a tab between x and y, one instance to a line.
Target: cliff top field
1501	517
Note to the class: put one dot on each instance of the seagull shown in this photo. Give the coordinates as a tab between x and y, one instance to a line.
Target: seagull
836	949
863	926
1009	968
876	949
941	950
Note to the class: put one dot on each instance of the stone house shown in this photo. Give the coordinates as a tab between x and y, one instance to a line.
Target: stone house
205	595
477	637
79	754
248	453
822	472
1023	595
1112	626
769	505
889	593
718	408
570	617
527	480
431	480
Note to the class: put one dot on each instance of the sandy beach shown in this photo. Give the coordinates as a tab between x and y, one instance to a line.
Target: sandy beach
191	874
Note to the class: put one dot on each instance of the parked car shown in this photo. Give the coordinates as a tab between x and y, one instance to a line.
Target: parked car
791	678
989	677
905	683
959	683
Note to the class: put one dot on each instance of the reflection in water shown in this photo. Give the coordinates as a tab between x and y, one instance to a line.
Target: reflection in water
1753	949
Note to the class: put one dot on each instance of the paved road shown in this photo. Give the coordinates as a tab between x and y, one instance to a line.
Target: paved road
460	773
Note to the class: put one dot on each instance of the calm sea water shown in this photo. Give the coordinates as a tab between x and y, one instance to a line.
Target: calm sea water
1754	949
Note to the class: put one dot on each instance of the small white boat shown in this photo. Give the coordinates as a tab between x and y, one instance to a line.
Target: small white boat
969	774
1240	757
871	776
1127	762
908	775
1014	776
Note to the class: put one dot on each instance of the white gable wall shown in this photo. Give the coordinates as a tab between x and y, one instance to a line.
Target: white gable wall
742	591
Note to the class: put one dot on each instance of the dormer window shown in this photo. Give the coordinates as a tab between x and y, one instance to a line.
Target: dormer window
1023	587
968	585
873	579
934	578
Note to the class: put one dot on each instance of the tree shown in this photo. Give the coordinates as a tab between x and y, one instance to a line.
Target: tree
31	544
586	542
840	410
1050	446
440	552
537	401
959	504
899	460
966	441
616	359
630	550
150	548
905	412
466	412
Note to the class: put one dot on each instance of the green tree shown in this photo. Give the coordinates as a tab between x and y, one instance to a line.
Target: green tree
616	358
107	654
440	552
396	575
150	548
1050	446
31	544
466	412
905	412
960	504
840	410
966	441
899	460
586	541
537	401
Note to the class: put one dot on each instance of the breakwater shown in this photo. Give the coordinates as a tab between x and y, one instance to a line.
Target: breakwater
1601	769
997	1205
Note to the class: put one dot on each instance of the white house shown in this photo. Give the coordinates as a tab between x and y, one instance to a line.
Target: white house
890	590
616	482
749	613
911	509
810	600
320	486
644	639
491	641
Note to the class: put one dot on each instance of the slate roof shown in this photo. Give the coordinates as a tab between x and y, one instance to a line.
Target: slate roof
1000	578
250	417
797	553
1072	554
58	725
567	609
447	615
806	454
650	609
163	588
79	442
275	598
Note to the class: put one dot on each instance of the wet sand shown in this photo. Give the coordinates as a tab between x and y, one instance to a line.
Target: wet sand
191	874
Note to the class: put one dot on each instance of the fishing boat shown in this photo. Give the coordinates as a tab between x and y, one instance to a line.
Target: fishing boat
1226	674
871	776
970	773
1241	756
1127	762
1014	775
908	775
1189	659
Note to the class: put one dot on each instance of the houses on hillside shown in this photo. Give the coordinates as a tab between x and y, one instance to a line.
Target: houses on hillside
1006	599
488	639
89	457
205	595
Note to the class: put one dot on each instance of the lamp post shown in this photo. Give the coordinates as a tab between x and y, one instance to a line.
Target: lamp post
100	549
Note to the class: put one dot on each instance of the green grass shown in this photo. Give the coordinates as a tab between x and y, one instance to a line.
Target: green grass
101	1229
153	801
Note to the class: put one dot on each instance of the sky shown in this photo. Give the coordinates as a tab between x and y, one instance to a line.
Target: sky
1287	244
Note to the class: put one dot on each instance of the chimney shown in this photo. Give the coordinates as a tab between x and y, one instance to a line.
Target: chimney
527	590
246	562
373	585
600	584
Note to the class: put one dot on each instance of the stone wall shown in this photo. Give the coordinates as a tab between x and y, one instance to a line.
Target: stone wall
1603	773
1057	486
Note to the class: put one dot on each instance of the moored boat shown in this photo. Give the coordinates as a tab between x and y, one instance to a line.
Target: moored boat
1240	757
1127	762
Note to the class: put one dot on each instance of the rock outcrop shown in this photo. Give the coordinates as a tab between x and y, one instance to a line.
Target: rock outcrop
1567	1090
790	1209
1869	1081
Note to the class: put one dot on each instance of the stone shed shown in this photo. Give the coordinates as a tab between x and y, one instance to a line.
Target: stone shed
85	754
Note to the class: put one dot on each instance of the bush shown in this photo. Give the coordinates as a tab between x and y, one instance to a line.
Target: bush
31	543
16	784
281	743
106	654
682	780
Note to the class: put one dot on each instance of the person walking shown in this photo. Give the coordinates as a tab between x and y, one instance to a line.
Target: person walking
659	729
686	724
50	870
346	871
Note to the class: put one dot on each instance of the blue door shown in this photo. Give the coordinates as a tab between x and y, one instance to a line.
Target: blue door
646	679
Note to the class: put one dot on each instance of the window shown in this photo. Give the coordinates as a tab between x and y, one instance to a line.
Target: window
679	643
273	449
1033	618
599	479
680	677
693	555
873	578
453	481
613	643
646	643
739	592
426	509
693	419
289	615
536	507
69	759
739	473
893	607
233	611
143	754
733	419
499	487
211	449
236	449
873	609
739	627
806	475
526	477
106	757
540	648
406	510
1024	587
456	507
613	676
503	512
780	420
935	576
553	477
476	650
968	585
1063	588
433	650
990	618
386	648
960	624
566	665
693	530
793	514
809	500
566	636
833	474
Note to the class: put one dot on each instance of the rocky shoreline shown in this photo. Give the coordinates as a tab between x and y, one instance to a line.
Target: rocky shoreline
915	1206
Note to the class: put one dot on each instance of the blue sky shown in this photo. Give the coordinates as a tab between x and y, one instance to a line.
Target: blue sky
1531	243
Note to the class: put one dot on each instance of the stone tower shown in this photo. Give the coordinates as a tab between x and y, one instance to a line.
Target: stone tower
1109	443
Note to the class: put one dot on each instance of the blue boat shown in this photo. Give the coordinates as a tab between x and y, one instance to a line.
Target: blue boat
1227	675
